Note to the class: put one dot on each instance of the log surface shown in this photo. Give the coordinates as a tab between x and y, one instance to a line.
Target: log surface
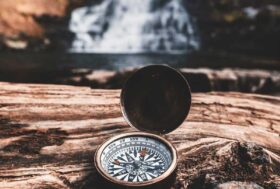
49	133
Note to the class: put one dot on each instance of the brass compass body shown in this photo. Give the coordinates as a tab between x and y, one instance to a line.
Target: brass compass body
155	100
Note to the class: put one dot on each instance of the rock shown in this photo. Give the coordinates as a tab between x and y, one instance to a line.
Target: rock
13	24
20	23
18	16
238	185
17	44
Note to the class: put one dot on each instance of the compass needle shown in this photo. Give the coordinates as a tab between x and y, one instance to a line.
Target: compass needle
116	162
122	159
129	158
135	152
131	177
150	156
124	177
122	172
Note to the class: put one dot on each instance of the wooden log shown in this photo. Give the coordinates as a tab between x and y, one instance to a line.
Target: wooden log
49	134
200	79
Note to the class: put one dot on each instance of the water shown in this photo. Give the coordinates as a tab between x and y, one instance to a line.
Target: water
133	26
45	67
65	68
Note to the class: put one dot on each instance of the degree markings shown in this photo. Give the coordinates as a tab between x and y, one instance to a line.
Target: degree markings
136	161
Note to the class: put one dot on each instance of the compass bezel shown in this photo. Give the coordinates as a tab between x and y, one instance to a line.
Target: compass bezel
166	174
156	99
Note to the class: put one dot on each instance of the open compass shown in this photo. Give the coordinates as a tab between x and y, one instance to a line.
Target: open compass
155	100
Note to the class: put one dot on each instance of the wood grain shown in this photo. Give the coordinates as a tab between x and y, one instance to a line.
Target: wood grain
49	133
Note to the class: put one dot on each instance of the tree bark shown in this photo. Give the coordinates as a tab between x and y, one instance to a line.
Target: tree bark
49	134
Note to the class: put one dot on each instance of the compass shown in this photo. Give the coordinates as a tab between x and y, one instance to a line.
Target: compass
155	100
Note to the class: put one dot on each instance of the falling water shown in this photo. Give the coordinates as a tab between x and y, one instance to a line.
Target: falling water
130	26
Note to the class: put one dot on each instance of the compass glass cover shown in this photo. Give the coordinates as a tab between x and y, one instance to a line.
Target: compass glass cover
136	158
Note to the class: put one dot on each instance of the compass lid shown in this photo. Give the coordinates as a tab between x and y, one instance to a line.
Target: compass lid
156	99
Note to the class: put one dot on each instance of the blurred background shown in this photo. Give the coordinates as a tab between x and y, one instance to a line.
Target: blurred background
218	45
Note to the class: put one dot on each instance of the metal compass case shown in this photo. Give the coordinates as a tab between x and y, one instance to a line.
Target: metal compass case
155	100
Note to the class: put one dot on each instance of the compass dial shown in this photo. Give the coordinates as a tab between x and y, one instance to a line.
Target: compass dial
136	158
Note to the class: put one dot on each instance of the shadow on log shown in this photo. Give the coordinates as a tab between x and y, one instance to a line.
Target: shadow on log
49	134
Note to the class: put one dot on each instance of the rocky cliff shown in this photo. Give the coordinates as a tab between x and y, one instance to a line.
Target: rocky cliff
32	23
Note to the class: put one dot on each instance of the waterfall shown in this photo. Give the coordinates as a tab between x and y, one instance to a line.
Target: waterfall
132	26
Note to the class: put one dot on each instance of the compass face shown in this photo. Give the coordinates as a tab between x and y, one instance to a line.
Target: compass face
136	159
